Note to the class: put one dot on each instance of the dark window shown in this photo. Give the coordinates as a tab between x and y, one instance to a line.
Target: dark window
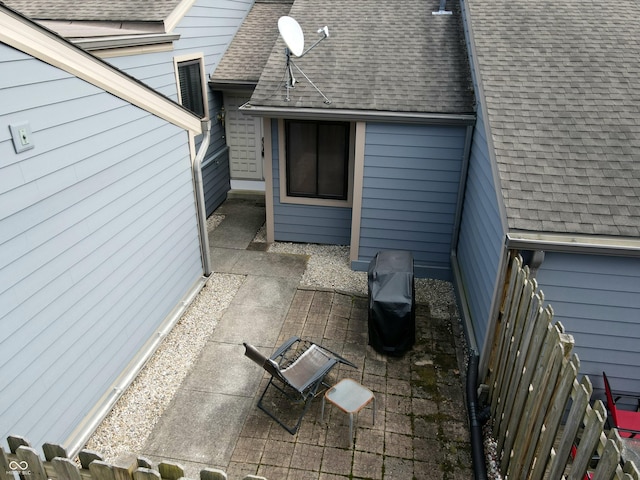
191	86
317	159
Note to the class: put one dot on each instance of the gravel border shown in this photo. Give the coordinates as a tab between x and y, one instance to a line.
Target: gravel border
329	267
129	424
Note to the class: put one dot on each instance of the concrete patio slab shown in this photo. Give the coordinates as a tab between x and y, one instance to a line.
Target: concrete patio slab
265	291
224	259
198	427
421	429
221	369
268	264
257	325
243	218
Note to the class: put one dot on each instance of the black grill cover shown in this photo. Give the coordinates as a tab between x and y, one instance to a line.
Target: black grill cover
392	312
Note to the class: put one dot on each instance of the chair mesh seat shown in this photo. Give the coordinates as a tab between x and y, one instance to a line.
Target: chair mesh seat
303	370
301	366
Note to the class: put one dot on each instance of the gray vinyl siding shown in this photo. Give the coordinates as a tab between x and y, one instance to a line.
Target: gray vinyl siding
215	166
98	242
597	299
306	223
207	28
481	235
410	193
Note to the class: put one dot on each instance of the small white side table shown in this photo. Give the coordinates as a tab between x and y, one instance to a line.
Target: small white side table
350	397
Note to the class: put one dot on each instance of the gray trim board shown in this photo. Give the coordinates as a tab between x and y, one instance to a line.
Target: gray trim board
574	244
360	115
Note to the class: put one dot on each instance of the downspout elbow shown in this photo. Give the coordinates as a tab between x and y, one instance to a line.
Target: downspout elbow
200	200
476	420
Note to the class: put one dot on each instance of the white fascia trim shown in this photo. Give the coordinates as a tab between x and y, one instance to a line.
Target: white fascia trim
177	15
485	115
125	41
129	51
586	244
28	37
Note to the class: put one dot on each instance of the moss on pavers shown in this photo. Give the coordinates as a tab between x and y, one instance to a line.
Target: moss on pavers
420	430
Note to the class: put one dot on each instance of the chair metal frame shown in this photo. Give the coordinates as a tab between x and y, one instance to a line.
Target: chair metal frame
626	421
300	366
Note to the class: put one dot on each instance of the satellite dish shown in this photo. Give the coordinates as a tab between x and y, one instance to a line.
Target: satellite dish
292	35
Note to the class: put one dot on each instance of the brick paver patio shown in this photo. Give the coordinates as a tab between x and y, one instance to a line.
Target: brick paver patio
421	427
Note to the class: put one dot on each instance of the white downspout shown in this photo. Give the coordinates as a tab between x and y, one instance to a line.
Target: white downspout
200	203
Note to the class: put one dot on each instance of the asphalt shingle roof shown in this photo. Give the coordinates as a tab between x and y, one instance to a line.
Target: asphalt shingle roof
382	55
561	85
95	10
246	56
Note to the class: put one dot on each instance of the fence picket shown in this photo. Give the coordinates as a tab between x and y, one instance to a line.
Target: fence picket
101	470
146	474
213	474
51	451
581	393
530	378
505	347
88	456
56	466
593	423
525	435
65	468
519	381
144	462
15	441
170	470
541	322
554	416
631	469
609	461
549	387
512	377
5	469
122	473
537	367
33	463
499	336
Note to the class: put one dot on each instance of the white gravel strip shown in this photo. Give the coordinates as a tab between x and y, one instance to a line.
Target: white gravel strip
329	267
214	220
126	429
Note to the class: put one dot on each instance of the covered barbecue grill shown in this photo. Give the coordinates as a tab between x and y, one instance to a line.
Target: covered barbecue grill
392	312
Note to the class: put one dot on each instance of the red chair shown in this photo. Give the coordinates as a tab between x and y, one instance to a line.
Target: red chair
626	421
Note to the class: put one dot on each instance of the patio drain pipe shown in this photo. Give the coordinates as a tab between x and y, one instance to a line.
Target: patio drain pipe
475	422
200	201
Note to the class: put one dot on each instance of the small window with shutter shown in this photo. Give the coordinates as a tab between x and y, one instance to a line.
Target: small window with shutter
190	85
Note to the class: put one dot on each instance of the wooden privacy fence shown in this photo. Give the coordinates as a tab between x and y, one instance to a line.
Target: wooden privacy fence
532	379
22	461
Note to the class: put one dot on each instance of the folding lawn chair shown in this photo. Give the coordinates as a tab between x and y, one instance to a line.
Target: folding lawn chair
626	421
300	366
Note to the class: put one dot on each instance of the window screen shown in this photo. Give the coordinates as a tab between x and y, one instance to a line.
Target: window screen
317	159
191	86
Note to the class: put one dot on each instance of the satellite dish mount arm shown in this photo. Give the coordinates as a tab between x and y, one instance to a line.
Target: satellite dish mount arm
326	100
294	39
291	80
325	34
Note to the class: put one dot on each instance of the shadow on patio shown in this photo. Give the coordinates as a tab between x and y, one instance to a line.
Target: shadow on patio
421	427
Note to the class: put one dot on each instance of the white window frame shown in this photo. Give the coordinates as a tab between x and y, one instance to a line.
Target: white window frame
203	82
325	202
